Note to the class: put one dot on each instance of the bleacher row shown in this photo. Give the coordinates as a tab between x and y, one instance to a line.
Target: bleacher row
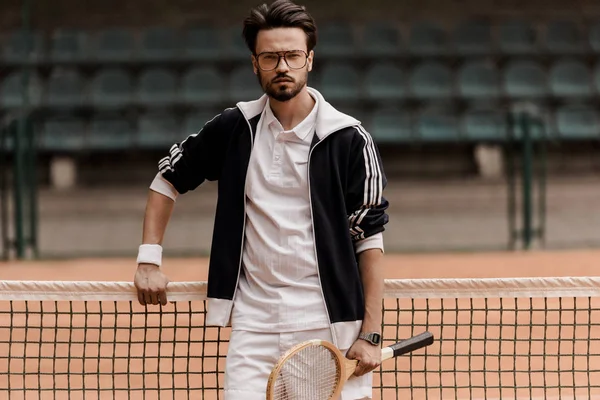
120	88
336	39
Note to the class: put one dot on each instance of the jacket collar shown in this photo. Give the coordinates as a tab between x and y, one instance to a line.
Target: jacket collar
329	119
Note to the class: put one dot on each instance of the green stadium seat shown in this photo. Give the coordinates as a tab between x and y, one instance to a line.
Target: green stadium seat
202	43
243	84
63	133
339	81
516	37
157	130
336	40
564	37
391	125
65	88
473	37
381	39
235	45
437	124
11	90
203	85
578	121
22	47
157	86
110	132
114	45
431	79
479	79
524	78
112	87
385	81
427	39
485	123
194	121
160	44
570	78
594	36
69	46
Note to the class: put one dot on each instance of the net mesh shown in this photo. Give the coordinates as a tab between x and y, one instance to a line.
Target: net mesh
494	339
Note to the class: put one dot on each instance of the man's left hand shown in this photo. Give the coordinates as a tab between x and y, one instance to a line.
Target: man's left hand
368	356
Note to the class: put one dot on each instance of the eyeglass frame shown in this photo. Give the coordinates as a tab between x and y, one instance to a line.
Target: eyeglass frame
285	52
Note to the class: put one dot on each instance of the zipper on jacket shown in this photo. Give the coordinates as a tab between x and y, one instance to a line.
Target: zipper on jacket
237	282
312	217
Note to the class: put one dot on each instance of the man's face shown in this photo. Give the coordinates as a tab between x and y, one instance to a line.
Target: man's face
283	82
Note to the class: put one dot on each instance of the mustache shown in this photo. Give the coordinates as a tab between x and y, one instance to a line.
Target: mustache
283	77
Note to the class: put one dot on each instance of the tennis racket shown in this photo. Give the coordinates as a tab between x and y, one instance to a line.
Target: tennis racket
317	370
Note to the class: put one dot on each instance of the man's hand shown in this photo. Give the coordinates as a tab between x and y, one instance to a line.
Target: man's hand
151	284
368	356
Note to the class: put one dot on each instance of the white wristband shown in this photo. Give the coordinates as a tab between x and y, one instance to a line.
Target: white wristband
150	254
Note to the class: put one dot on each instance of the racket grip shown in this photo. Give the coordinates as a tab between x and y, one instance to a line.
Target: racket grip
411	344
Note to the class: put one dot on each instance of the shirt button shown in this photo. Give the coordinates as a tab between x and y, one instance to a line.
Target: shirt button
276	158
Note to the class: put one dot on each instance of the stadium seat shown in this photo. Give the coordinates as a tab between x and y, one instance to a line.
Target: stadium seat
339	82
385	81
473	37
63	133
114	45
594	36
112	88
157	130
336	40
516	37
525	79
479	79
570	78
157	86
485	123
160	44
65	88
110	132
235	45
203	85
577	121
11	90
202	43
391	125
69	46
431	80
194	121
428	39
243	84
564	37
437	124
16	43
381	39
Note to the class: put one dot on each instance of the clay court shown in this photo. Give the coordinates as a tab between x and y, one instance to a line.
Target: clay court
482	355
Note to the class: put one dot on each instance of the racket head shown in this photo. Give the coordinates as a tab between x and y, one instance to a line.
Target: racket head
311	370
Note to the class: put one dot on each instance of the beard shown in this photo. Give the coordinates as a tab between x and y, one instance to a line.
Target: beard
282	91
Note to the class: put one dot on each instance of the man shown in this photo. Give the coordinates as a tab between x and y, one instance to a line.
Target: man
298	228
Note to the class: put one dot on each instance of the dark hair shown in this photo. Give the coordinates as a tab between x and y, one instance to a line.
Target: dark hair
280	14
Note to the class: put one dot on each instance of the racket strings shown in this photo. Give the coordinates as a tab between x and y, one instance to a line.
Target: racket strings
312	373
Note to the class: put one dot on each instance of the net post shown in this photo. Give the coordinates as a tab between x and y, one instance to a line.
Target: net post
527	182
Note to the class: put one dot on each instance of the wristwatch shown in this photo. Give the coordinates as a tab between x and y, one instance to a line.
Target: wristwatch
372	337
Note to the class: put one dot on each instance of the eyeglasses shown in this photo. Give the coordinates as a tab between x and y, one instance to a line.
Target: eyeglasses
269	60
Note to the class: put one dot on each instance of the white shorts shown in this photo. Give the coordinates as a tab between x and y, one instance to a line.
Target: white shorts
252	355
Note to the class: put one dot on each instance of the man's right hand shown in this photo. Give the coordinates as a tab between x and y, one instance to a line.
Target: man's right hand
151	284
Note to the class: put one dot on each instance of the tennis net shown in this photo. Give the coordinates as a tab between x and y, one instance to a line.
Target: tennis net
494	339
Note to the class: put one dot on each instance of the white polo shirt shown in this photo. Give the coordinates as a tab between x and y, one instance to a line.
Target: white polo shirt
279	288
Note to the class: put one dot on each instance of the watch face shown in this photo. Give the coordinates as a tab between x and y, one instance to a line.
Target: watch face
376	337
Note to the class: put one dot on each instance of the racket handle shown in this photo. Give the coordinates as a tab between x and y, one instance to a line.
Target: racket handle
408	345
